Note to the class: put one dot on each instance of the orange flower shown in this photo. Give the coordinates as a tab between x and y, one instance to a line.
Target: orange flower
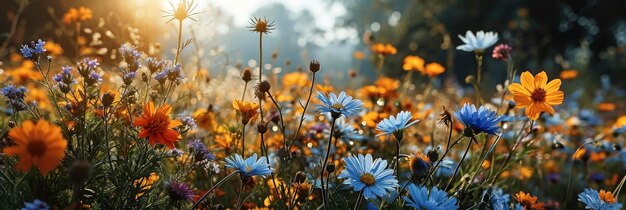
25	73
205	119
359	55
248	110
53	48
536	95
326	89
75	15
607	197
413	63
434	69
156	125
606	106
569	74
528	201
620	122
384	49
39	144
38	96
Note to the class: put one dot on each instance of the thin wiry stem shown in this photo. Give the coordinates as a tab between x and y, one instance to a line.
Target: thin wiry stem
358	200
325	160
303	112
180	39
456	170
280	114
213	188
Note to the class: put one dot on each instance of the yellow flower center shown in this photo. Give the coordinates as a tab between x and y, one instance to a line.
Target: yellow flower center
337	106
607	197
248	168
368	179
37	148
539	95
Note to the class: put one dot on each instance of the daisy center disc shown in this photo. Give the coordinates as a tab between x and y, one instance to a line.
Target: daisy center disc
539	95
337	106
368	179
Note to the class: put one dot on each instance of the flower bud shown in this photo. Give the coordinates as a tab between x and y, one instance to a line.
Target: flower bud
330	168
264	86
314	66
247	75
80	171
433	155
469	79
300	177
107	99
261	128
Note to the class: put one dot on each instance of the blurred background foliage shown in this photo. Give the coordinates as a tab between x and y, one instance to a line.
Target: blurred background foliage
586	35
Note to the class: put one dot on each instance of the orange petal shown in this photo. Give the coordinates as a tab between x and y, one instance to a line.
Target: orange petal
546	107
522	101
532	111
528	81
147	110
165	109
141	121
554	98
541	79
174	123
552	86
518	89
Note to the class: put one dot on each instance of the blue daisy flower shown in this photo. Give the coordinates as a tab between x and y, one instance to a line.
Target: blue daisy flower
346	131
338	105
482	120
498	199
446	168
250	166
437	199
592	200
36	205
371	176
396	125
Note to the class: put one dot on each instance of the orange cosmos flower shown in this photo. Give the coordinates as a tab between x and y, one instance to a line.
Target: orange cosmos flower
295	79
434	69
569	74
528	201
536	95
156	125
413	63
53	48
75	15
39	144
384	49
248	110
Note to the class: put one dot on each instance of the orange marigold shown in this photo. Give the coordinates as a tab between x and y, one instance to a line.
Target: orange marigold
75	15
434	69
413	63
607	196
528	201
156	125
40	144
384	49
248	110
537	96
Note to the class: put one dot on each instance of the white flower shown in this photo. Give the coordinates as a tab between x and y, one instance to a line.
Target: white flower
478	42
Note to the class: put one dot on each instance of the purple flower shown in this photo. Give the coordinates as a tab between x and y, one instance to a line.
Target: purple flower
39	47
91	63
161	76
14	93
155	65
94	77
175	73
178	191
200	151
26	51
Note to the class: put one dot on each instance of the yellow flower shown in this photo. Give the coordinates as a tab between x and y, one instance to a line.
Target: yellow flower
434	69
204	119
536	95
37	144
145	183
248	110
24	73
297	79
620	122
413	63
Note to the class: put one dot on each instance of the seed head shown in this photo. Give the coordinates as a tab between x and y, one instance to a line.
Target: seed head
314	66
261	25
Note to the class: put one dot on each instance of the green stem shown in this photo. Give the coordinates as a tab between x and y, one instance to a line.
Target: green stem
213	188
330	140
180	39
456	170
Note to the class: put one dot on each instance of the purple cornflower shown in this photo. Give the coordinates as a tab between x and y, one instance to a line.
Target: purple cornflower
38	47
91	63
94	78
200	151
26	51
178	191
15	96
188	121
131	56
129	77
175	74
161	76
154	65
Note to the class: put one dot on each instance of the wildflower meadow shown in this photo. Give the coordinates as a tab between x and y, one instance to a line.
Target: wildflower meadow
100	112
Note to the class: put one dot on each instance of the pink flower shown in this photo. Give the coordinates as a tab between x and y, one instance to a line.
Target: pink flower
501	52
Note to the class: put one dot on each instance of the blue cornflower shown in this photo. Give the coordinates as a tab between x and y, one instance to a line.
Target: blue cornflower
249	167
175	73
395	125
337	106
35	205
345	130
498	199
38	47
26	51
437	199
161	76
371	176
478	121
188	121
598	201
14	93
446	168
95	76
154	65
